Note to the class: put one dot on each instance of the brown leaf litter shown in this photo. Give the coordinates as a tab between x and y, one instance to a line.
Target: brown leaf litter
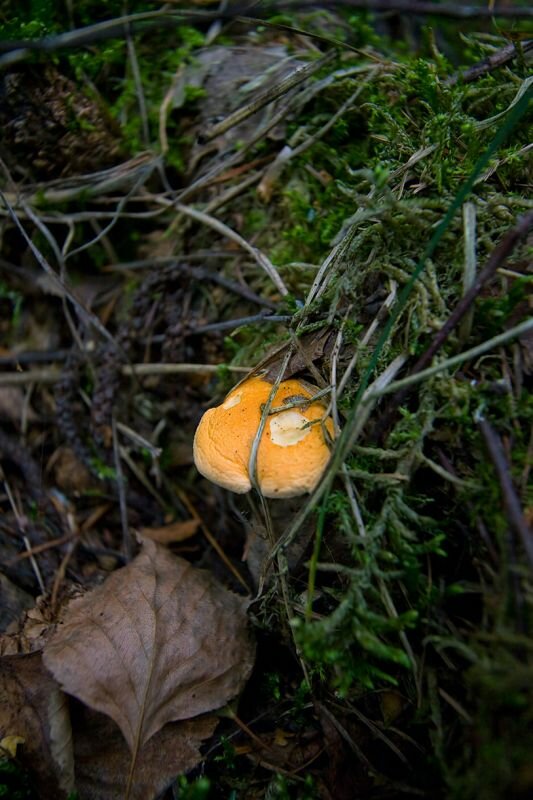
33	708
154	648
102	757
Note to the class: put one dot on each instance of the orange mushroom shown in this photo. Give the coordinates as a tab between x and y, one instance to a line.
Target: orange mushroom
292	452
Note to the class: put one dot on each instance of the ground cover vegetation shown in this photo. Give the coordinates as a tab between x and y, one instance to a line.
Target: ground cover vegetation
188	194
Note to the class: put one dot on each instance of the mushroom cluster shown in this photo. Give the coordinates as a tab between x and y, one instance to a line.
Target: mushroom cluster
292	452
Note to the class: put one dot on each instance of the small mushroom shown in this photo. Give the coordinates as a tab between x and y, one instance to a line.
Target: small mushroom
292	453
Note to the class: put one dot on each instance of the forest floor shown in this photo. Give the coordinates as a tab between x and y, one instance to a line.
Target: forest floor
189	197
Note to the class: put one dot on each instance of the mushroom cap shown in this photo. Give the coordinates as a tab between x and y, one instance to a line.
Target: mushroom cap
291	457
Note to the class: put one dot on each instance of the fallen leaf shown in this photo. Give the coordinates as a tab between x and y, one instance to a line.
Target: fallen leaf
176	532
281	737
60	741
14	601
29	633
103	759
392	705
33	708
9	745
274	751
35	728
257	549
12	402
344	773
311	347
71	475
159	641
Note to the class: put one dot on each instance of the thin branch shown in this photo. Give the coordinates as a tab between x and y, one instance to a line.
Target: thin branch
267	96
136	72
92	184
121	488
119	27
495	60
225	230
140	181
498	257
51	375
140	370
451	10
231	324
64	290
467	355
177	369
469	266
515	514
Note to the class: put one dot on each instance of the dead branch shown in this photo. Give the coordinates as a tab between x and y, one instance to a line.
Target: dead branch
516	517
498	257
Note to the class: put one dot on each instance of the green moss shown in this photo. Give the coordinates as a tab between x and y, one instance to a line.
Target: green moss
33	20
14	782
12	300
198	789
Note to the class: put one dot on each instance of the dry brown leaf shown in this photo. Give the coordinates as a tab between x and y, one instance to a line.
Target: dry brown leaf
103	759
12	402
289	753
175	532
14	601
29	633
392	705
311	347
33	708
159	641
71	475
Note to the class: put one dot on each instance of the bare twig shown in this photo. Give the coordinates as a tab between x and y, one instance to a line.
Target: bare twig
51	375
164	18
121	489
27	545
498	257
452	10
136	72
212	540
495	60
231	324
18	50
510	498
178	369
63	288
94	184
467	355
42	376
286	154
272	93
41	548
258	256
470	265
